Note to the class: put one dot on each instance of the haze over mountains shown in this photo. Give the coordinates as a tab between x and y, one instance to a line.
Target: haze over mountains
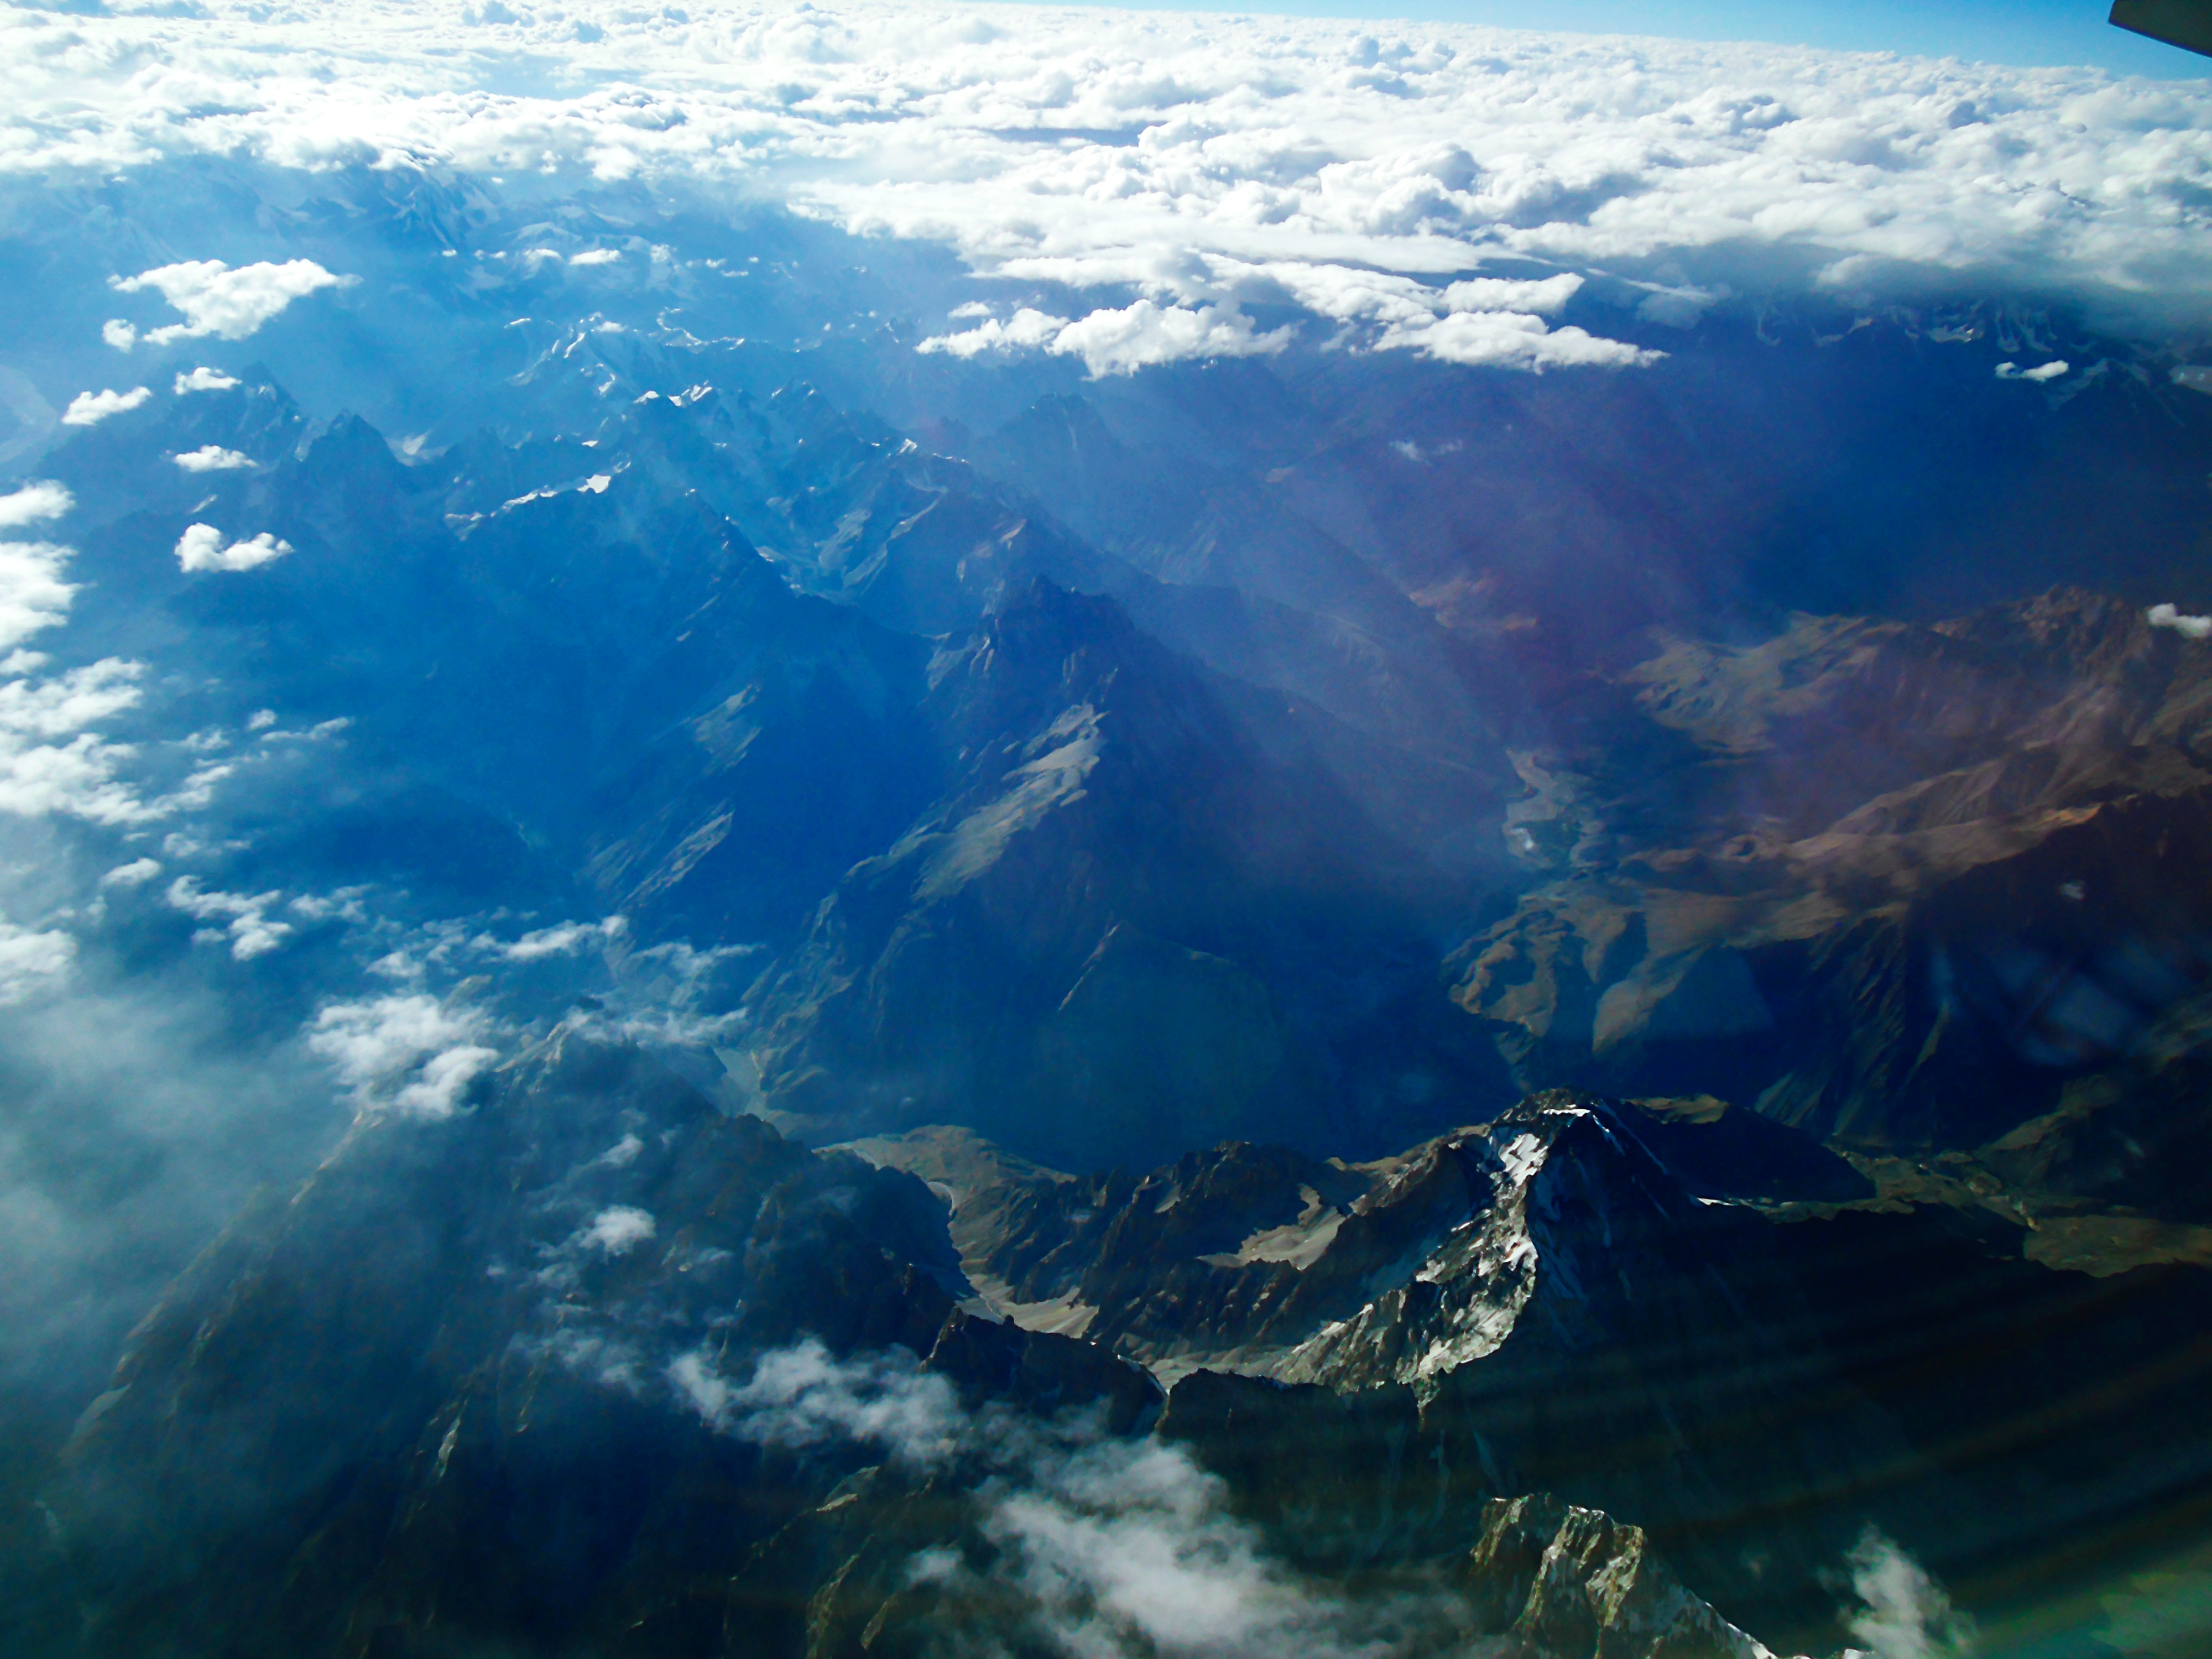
1124	864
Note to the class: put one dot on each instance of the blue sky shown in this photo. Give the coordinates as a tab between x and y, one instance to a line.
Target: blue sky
2026	32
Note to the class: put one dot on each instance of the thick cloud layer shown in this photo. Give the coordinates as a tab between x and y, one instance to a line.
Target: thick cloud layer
1207	163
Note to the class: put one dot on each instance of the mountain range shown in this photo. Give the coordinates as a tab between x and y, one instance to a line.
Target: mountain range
1318	1004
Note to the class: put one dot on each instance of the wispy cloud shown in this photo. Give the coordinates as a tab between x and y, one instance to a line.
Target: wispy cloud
1102	1546
1903	1613
31	959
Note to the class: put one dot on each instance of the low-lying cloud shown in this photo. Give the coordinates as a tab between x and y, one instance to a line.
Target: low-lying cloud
1117	341
202	547
2173	617
803	1396
217	300
241	921
91	408
411	1053
213	458
31	959
1103	1546
618	1230
1903	1613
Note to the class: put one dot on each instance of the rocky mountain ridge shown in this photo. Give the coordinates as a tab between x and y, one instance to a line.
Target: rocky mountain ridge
466	1384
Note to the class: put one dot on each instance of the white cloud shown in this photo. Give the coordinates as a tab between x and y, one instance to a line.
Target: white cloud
2049	371
30	960
33	503
1510	339
1230	150
802	1396
565	938
226	303
41	778
1139	335
244	916
409	1052
81	697
1112	1549
32	595
2189	626
212	458
617	1229
204	379
137	873
49	763
1117	342
118	333
596	256
1028	330
1905	1613
1126	1547
91	408
624	1153
201	548
1545	298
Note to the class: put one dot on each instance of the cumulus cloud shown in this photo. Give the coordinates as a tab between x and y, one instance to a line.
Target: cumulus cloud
617	1229
1112	342
204	379
409	1052
1512	339
33	504
137	873
31	960
212	458
1546	297
1903	1613
50	765
71	701
596	256
91	408
244	917
32	595
2170	616
1027	330
202	548
1118	341
226	303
